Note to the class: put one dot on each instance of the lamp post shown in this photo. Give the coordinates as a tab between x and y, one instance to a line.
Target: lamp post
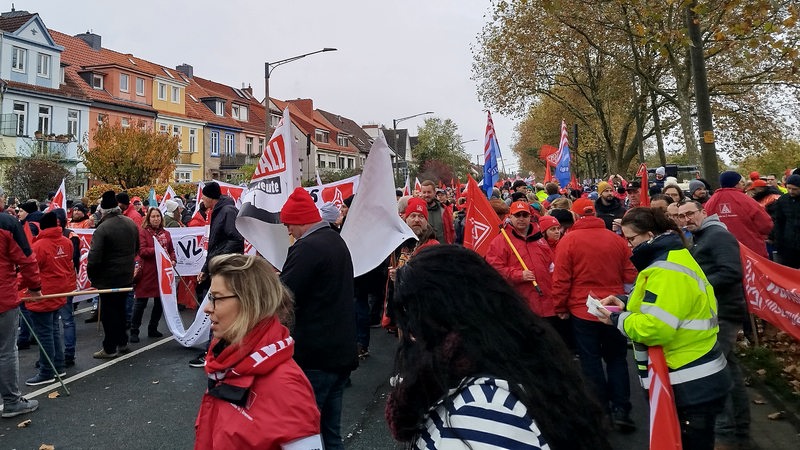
268	68
394	131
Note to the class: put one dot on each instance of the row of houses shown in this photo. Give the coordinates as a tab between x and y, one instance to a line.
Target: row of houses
55	89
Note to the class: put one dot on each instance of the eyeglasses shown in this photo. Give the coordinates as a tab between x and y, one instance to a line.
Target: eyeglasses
214	300
688	214
632	238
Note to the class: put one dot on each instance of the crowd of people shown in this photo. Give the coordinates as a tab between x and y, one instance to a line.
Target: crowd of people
503	340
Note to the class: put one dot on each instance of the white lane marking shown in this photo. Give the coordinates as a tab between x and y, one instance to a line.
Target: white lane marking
86	373
81	311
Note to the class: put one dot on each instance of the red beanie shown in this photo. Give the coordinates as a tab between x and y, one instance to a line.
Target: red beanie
547	222
417	205
754	176
300	209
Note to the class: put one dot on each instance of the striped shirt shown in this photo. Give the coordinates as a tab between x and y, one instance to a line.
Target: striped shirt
481	413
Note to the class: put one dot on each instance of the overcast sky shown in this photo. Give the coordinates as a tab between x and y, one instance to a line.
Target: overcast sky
394	58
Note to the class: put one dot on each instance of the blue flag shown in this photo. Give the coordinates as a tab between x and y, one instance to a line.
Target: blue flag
491	174
562	168
151	198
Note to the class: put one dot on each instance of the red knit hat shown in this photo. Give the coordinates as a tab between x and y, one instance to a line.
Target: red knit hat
417	205
583	207
547	222
300	209
754	176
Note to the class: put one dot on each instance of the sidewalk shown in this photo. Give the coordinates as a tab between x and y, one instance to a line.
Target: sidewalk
766	433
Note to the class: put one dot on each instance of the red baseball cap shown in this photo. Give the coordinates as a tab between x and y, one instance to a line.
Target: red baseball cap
518	207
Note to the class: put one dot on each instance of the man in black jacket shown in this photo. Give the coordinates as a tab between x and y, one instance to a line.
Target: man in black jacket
787	222
716	250
110	264
223	238
319	272
608	207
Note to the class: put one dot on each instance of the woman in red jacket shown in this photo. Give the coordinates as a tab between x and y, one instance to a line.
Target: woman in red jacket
257	397
146	284
54	254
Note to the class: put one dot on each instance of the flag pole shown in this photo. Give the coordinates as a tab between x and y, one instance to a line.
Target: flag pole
519	258
75	293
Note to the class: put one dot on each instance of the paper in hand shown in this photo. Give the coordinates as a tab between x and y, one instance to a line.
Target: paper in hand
595	308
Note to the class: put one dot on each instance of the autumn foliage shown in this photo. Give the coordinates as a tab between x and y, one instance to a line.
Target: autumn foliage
130	156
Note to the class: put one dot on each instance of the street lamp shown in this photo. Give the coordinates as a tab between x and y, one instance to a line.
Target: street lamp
268	68
394	130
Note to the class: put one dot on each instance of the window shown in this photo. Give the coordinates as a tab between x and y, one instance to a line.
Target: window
235	111
341	140
43	65
102	118
183	176
176	94
351	163
341	162
162	91
20	111
260	146
97	81
73	116
18	57
215	143
274	120
192	140
239	112
163	128
243	113
176	132
123	82
44	119
63	76
321	136
229	144
219	108
248	146
125	122
139	86
320	160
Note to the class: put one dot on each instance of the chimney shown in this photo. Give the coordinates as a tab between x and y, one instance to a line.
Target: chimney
248	89
94	40
186	70
305	105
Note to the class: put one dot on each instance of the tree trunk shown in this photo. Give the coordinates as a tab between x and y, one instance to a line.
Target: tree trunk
662	155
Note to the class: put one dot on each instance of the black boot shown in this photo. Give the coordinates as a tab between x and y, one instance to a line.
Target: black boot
92	318
134	336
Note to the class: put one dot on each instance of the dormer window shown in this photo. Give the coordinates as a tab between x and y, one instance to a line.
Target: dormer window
18	59
124	81
97	81
219	108
274	120
176	94
162	91
43	65
342	140
321	136
239	112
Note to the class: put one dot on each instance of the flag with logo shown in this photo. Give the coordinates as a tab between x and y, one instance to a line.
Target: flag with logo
60	199
665	430
169	194
275	177
562	166
233	191
481	223
198	198
335	192
167	287
373	229
151	198
491	150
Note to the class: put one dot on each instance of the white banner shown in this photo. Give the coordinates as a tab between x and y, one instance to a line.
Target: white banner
167	284
273	181
334	192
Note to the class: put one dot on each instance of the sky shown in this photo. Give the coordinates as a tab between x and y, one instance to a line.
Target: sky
394	59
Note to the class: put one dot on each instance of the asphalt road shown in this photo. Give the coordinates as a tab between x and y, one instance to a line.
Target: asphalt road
149	400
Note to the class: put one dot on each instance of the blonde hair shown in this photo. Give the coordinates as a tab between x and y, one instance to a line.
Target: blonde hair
561	203
257	288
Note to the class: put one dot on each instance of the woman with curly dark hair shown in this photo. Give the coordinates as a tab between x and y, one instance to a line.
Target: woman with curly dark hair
476	368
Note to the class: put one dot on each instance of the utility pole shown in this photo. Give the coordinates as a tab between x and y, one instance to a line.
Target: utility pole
708	150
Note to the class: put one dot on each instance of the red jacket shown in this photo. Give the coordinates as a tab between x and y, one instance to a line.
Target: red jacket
147	280
277	401
15	255
748	221
590	258
54	254
538	258
134	215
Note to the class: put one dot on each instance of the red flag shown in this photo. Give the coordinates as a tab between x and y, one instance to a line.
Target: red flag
60	199
481	224
645	189
573	183
407	188
548	177
417	185
665	430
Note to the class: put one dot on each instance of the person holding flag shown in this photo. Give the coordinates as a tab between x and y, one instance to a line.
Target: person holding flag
673	306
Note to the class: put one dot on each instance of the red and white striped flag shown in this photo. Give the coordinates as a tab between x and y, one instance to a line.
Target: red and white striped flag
60	199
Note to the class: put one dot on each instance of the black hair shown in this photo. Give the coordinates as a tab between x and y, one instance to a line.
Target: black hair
643	220
458	317
666	198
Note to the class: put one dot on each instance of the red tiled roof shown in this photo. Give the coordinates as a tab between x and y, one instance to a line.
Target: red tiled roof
68	89
12	23
198	110
309	125
255	122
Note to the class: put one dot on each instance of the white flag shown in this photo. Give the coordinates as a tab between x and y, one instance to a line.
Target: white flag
374	229
273	181
198	330
169	194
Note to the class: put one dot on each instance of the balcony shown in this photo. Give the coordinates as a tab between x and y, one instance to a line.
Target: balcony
185	158
236	161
